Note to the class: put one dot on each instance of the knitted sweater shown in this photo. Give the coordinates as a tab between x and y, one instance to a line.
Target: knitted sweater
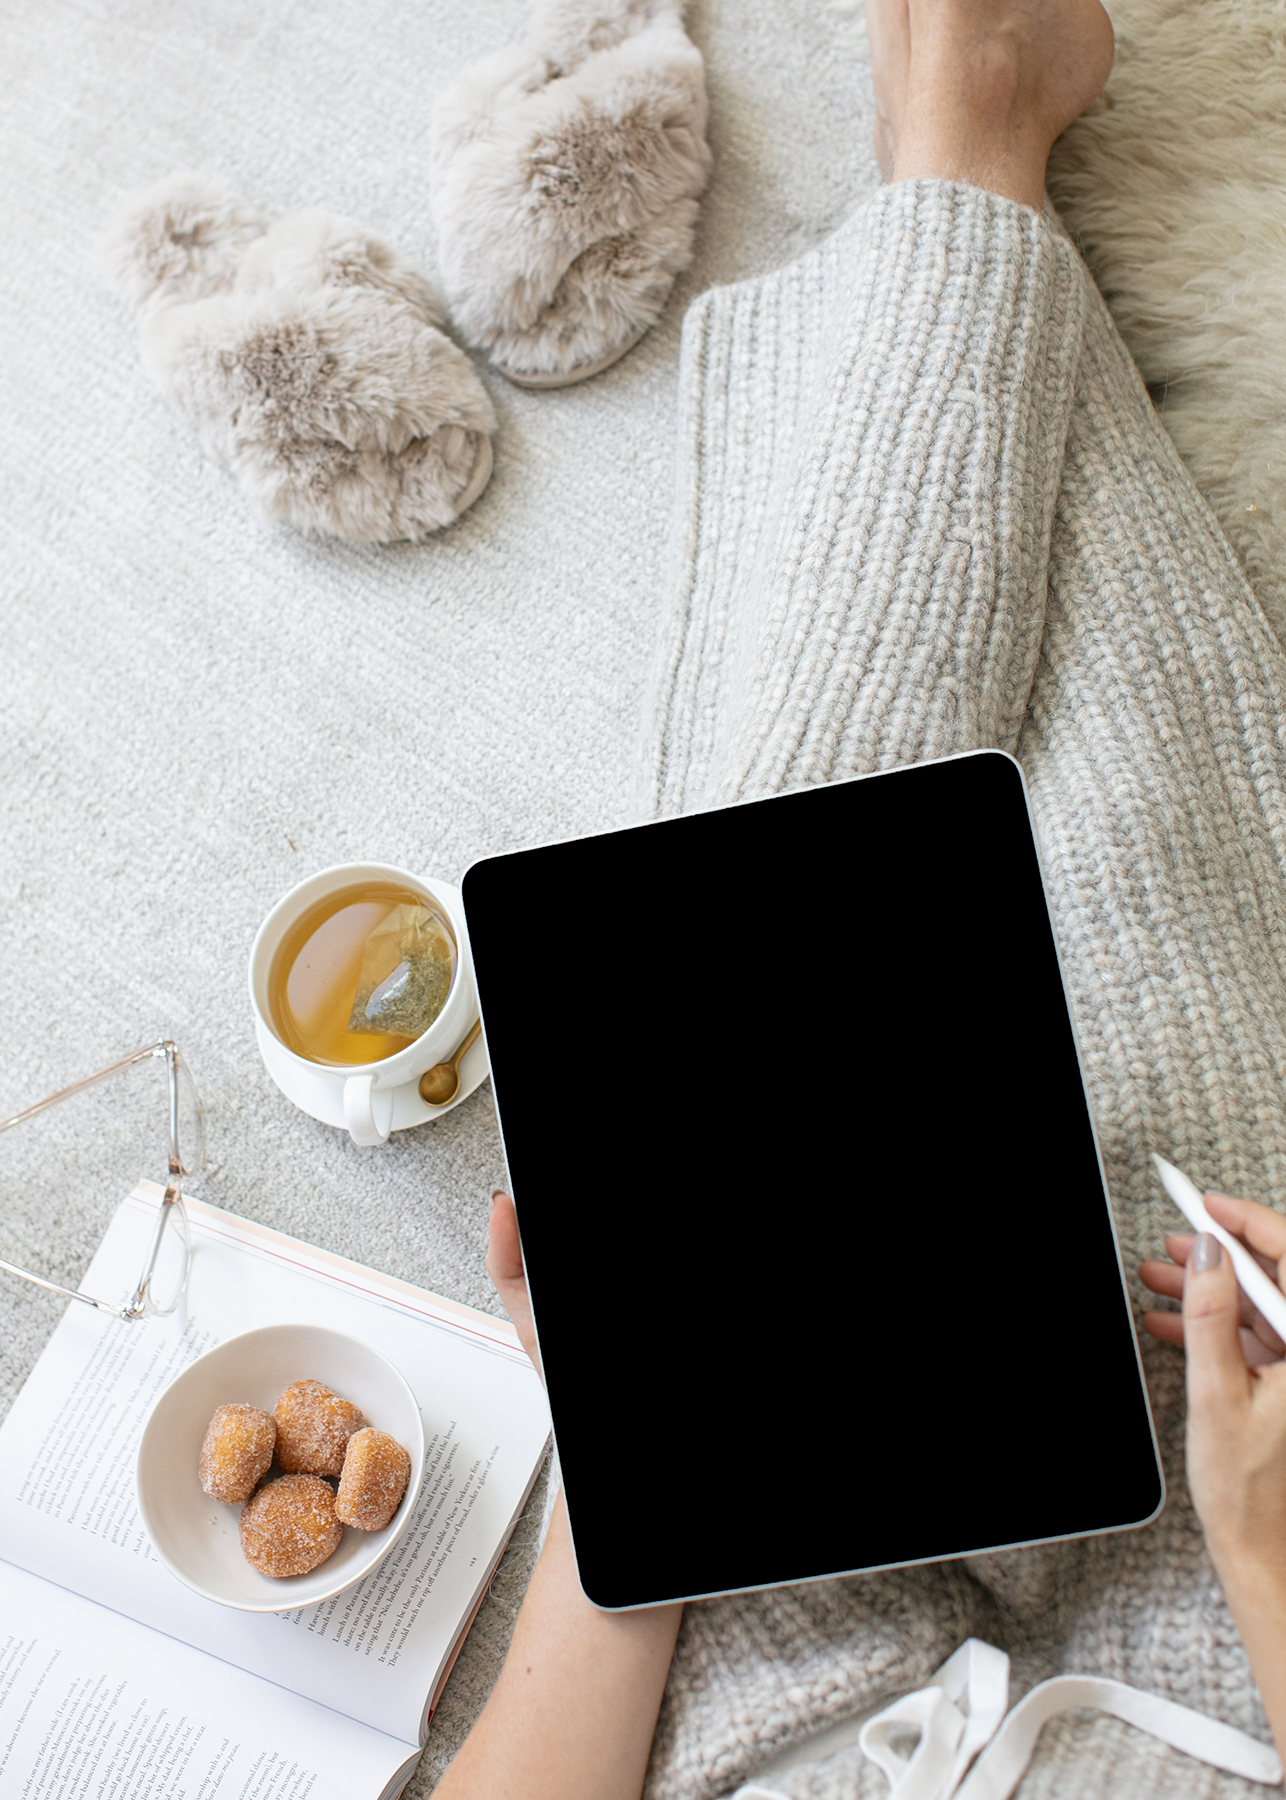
925	506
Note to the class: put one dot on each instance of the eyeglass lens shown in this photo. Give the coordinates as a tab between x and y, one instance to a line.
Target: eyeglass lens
188	1122
162	1292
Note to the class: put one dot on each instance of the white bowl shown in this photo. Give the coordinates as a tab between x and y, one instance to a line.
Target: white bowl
199	1539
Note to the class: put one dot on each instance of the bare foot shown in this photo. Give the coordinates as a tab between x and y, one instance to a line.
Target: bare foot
978	90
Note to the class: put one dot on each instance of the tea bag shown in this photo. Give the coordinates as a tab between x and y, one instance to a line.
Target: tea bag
407	964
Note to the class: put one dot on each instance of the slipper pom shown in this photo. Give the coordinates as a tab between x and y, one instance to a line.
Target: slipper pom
178	240
314	249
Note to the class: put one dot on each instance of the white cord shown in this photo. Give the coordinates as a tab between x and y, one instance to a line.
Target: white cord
962	1719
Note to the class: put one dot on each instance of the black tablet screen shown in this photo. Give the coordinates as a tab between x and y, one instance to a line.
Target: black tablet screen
819	1252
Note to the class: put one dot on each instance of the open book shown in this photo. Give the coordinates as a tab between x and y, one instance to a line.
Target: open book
119	1683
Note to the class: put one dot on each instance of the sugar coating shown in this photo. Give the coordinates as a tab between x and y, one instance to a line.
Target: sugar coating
313	1428
290	1526
376	1471
236	1451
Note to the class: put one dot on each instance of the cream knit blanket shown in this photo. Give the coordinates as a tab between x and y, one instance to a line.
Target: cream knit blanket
926	506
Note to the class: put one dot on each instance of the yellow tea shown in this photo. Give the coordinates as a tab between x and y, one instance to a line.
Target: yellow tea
361	974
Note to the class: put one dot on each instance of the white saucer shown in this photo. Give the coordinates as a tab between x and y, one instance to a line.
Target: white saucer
323	1096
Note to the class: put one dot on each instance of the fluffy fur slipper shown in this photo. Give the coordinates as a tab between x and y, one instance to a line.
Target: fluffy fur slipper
564	174
307	356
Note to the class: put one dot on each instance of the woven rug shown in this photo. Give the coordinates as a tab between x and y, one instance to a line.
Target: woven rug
198	710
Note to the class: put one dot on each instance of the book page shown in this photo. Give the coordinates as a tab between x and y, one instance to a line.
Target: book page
67	1451
94	1707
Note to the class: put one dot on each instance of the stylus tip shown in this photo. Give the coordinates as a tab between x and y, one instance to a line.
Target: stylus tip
1183	1192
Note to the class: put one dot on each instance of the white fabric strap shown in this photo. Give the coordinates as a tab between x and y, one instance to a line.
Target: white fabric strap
963	1712
958	1713
999	1769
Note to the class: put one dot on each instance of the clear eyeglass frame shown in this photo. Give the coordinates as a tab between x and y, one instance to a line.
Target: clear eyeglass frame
163	1281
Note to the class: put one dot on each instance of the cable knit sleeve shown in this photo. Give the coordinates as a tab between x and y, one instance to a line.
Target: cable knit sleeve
891	569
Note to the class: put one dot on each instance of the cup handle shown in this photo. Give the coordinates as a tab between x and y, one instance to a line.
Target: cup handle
368	1110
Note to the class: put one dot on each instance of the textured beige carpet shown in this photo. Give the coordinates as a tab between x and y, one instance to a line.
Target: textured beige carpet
198	710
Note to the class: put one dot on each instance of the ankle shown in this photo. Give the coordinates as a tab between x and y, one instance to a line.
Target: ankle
978	90
1011	164
971	116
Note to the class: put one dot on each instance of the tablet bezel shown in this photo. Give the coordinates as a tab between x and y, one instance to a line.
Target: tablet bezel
972	1550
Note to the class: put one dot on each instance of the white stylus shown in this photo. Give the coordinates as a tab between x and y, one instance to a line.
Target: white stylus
1256	1286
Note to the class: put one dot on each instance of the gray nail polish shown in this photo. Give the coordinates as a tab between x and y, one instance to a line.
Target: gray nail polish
1207	1253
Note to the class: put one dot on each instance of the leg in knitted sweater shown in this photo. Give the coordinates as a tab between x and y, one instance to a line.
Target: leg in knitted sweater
983	536
899	615
871	443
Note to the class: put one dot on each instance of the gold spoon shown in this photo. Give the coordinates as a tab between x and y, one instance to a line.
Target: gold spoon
440	1084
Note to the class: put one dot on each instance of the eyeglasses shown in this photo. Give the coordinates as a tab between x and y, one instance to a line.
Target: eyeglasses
165	1271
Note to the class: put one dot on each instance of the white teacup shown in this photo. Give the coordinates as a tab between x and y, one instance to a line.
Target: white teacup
374	1098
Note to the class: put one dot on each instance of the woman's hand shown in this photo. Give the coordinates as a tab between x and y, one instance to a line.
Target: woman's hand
1236	1426
504	1265
1236	1388
1264	1234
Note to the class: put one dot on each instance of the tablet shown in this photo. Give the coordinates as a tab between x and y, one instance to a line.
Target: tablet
819	1250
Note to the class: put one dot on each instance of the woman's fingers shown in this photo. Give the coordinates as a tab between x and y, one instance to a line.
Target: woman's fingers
1264	1233
1167	1278
1217	1374
1178	1244
1260	1344
505	1267
504	1251
1255	1347
1255	1325
1163	1278
1262	1228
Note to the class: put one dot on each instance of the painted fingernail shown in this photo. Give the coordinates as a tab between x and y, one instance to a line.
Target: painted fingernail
1207	1253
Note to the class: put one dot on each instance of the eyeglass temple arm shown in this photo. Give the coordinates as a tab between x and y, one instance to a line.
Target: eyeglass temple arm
117	1312
167	1048
162	1048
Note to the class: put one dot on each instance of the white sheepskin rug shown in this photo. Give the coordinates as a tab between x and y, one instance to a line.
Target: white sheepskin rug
1174	187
